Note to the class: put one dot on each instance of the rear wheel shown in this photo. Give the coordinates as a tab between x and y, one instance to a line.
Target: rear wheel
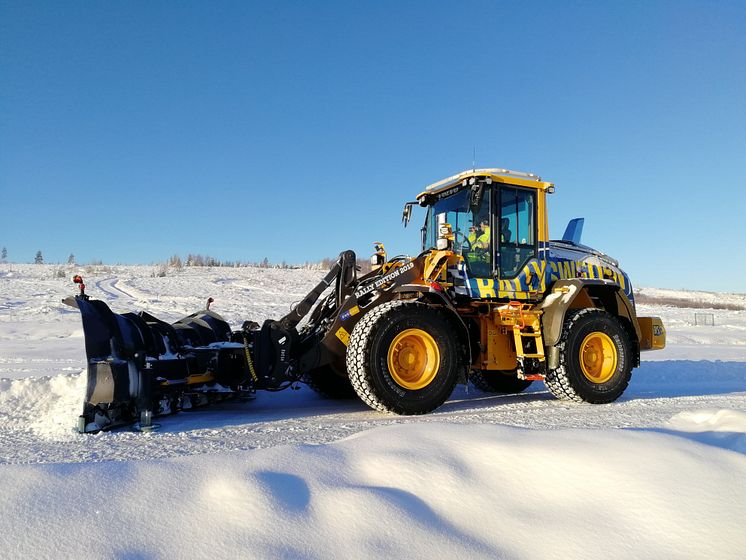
498	381
595	359
403	358
328	383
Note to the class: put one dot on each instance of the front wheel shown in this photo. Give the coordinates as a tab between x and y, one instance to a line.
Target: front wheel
403	357
595	363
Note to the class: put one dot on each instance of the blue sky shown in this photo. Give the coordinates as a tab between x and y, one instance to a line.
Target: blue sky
131	131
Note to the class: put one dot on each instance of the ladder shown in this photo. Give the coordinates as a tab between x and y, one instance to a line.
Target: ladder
526	325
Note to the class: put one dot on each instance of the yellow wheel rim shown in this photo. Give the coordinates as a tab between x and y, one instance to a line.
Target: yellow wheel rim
598	357
413	359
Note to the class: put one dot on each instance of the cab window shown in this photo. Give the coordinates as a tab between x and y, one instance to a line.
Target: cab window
516	230
470	221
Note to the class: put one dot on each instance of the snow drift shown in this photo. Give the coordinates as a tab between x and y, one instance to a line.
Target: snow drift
415	491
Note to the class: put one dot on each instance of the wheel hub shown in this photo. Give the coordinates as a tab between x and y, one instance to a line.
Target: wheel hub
413	359
598	357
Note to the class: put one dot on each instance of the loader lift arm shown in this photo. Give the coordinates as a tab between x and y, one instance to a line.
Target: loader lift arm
278	345
344	271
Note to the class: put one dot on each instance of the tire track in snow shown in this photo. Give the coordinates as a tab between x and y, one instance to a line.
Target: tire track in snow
109	286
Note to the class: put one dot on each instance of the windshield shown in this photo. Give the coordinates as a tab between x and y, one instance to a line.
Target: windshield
471	228
453	210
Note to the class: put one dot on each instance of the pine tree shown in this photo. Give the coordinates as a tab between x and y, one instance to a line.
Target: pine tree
4	254
71	259
38	259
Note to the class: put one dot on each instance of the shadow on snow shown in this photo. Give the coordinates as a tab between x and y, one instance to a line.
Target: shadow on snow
653	380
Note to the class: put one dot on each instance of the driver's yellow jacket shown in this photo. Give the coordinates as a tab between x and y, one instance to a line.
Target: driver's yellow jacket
483	241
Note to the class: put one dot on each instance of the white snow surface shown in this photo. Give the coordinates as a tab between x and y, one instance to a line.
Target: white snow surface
661	473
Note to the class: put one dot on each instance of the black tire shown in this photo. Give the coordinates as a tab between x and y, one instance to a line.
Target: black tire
371	349
569	381
329	384
498	381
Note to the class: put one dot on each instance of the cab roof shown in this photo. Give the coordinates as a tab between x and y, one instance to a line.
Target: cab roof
497	175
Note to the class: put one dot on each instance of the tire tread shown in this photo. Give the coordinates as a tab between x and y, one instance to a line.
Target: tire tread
358	358
558	379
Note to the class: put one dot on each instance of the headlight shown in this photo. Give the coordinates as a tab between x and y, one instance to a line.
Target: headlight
376	261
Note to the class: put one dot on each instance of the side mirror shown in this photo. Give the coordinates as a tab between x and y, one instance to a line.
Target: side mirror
406	214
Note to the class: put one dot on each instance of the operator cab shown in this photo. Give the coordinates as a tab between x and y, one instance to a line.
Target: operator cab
497	217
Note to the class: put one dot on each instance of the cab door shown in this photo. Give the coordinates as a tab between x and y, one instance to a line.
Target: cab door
516	238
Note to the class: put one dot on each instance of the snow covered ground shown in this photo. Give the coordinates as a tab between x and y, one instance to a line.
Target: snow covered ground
659	473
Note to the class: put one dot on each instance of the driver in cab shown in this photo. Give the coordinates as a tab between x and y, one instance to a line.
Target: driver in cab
479	236
482	240
478	256
474	233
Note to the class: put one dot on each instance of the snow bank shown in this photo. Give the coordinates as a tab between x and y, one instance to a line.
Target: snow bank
723	428
697	298
710	421
415	491
46	406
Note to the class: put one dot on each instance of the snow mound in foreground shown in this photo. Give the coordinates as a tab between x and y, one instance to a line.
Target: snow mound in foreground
407	491
710	421
723	428
45	406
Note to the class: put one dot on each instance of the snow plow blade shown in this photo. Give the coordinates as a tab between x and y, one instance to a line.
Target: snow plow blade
140	367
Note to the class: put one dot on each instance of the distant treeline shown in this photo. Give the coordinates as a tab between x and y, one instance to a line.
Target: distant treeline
686	303
205	260
176	262
195	260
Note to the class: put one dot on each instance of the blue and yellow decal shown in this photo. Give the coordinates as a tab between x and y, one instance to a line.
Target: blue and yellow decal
538	275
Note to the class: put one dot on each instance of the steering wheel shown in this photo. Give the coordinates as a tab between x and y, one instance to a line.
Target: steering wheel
465	243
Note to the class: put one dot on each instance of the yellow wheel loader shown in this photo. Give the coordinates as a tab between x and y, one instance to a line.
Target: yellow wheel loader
489	299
